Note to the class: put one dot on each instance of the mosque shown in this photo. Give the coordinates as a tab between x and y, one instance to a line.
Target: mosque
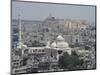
59	45
50	52
37	56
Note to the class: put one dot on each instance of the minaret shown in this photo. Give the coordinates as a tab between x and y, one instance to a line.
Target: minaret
20	38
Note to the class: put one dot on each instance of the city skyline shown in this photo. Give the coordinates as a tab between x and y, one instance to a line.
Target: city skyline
63	38
31	11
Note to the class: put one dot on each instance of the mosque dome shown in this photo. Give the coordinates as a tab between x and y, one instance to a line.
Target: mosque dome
60	43
60	38
25	46
20	45
53	45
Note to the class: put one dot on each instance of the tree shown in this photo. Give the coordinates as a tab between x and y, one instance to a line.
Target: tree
70	62
74	53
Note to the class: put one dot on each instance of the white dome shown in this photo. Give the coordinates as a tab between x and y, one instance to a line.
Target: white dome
60	38
20	45
62	45
25	46
53	44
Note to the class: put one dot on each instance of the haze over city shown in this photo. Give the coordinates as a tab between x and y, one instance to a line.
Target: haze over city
40	11
49	37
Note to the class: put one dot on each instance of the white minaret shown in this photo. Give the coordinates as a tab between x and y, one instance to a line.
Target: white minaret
20	38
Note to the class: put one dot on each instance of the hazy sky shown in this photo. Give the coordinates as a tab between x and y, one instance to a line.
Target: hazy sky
40	11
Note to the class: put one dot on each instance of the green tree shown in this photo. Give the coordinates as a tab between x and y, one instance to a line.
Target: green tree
70	62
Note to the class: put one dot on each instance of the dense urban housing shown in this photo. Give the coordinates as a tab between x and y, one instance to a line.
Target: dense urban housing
52	45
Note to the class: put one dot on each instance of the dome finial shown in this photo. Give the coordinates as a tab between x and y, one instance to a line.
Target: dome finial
60	38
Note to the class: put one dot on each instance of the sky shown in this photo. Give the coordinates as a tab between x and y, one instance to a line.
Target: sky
40	11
